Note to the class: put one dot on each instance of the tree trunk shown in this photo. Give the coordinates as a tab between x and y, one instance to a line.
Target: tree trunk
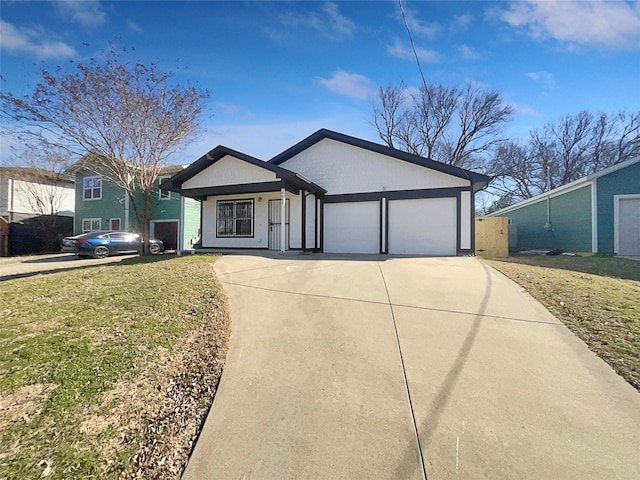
145	223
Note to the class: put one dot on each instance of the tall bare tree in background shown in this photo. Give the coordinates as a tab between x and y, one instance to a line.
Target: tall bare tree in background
133	117
453	125
563	151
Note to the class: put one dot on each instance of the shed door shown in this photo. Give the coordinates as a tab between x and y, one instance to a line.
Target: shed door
628	226
425	226
352	227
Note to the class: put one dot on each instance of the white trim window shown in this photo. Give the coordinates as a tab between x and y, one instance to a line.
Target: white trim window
234	218
114	224
91	225
163	194
92	188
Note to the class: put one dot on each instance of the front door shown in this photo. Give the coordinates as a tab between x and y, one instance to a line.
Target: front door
275	222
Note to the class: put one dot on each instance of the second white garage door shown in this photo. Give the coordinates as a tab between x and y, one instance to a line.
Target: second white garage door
425	226
352	227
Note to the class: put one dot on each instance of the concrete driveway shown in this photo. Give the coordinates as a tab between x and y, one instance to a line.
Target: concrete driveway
377	367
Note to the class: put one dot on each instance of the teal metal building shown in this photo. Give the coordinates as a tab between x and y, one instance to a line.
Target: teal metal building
599	213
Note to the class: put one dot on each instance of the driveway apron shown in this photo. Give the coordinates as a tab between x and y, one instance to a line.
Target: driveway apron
378	367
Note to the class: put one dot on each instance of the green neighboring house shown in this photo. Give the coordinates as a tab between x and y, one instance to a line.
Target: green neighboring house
599	213
100	204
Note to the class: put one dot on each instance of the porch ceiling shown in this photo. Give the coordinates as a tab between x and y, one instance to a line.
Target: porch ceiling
247	188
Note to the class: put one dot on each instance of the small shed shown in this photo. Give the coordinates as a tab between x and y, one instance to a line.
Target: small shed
599	213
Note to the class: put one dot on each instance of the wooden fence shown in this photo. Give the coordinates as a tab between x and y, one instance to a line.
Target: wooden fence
492	237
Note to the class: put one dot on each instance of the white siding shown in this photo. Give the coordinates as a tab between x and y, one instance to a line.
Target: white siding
352	227
260	237
466	217
423	226
310	221
229	171
18	196
342	168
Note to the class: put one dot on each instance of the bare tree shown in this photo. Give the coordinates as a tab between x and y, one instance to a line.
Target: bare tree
132	116
564	150
449	124
44	190
387	116
627	132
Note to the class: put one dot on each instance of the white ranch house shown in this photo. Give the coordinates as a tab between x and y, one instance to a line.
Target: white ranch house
337	194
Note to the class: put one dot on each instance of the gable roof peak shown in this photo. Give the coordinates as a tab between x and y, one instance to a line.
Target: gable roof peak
479	180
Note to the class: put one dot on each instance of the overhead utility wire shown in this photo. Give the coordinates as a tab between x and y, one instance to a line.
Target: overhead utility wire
413	46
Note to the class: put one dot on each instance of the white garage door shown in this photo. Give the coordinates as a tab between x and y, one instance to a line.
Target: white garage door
426	226
628	226
352	227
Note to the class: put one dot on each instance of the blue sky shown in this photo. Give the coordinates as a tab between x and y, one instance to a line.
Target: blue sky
278	71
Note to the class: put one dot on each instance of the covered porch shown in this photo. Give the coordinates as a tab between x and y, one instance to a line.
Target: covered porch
251	204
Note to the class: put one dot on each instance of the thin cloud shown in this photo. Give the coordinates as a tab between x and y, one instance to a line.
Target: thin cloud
233	109
87	13
545	78
461	22
33	42
468	52
428	30
328	21
590	23
352	85
134	27
404	51
525	111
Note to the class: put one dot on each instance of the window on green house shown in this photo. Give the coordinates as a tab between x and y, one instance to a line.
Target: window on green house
92	187
91	225
114	224
163	194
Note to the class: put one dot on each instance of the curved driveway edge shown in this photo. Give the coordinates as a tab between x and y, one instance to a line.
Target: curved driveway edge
382	367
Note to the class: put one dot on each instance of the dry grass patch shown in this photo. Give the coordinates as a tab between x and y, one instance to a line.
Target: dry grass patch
109	371
598	298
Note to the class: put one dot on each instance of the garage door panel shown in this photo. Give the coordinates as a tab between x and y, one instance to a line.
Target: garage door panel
426	226
352	227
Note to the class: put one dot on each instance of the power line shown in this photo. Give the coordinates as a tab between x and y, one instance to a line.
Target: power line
413	46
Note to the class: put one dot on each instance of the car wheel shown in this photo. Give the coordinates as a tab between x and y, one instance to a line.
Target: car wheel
100	252
154	249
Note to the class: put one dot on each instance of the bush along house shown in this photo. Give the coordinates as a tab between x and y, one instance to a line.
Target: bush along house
101	204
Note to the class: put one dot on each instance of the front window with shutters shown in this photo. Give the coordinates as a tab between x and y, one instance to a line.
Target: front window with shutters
234	218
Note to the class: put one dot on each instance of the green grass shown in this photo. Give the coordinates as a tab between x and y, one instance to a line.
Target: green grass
597	298
75	345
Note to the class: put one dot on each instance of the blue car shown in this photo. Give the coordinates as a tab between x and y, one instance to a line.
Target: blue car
103	244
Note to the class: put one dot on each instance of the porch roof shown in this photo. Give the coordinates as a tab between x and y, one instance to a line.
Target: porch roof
290	181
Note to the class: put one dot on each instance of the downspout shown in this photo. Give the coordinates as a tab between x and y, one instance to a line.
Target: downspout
126	212
11	200
283	219
181	225
547	226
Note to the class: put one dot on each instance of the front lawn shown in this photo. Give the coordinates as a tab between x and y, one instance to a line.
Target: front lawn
598	298
109	370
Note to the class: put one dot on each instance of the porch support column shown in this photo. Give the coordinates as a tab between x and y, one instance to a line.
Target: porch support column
283	220
303	232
